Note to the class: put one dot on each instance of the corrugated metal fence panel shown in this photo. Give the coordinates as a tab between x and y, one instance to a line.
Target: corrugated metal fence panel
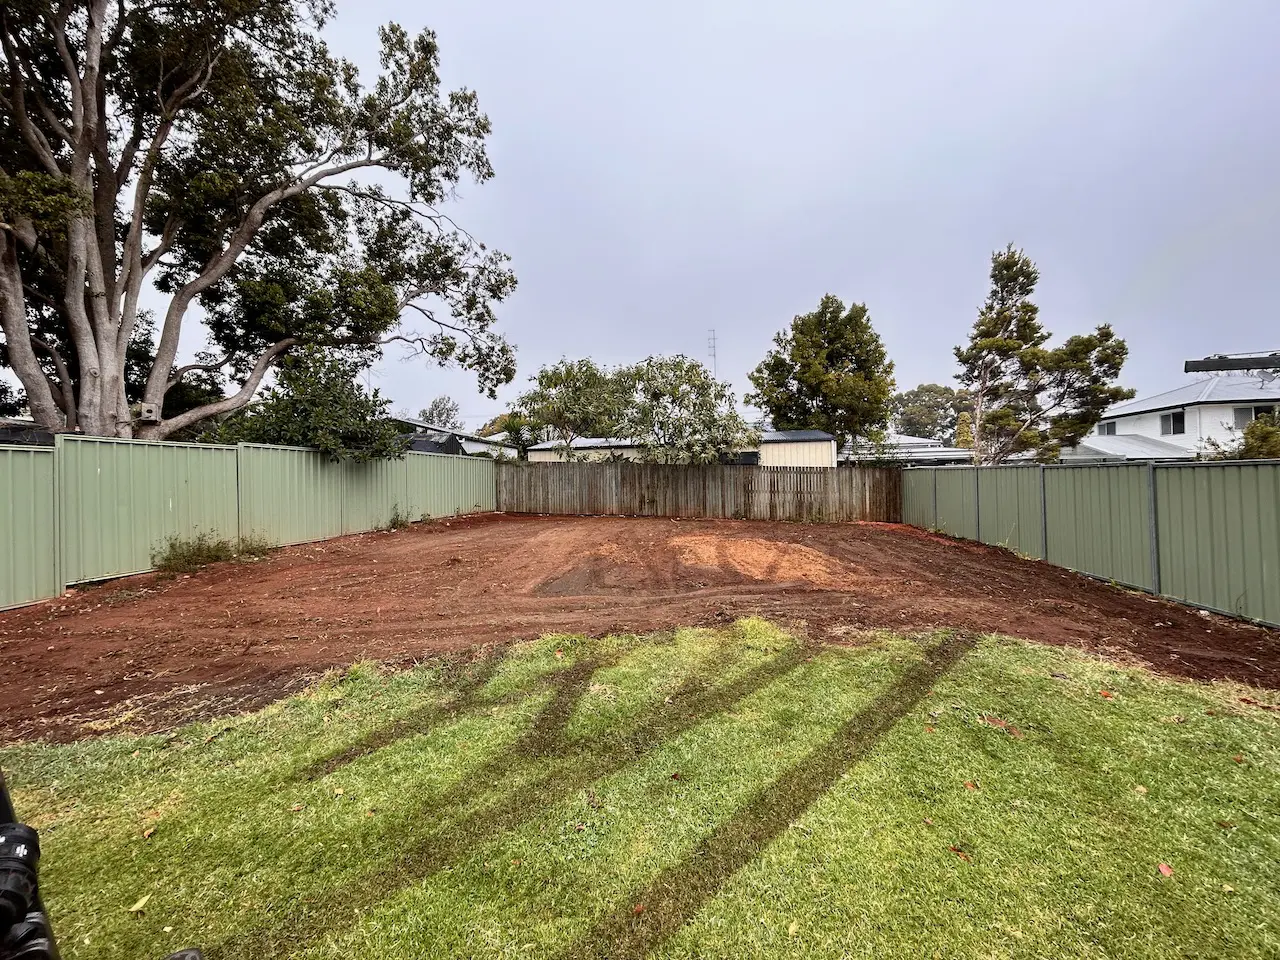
373	493
289	494
674	490
1099	522
120	501
917	498
439	485
28	528
1009	509
957	502
1219	533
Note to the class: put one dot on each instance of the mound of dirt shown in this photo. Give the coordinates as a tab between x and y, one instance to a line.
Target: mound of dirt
149	652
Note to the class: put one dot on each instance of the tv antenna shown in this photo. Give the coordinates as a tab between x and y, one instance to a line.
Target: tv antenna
711	348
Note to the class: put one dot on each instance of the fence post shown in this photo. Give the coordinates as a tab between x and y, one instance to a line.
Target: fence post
1044	519
1155	527
934	473
977	506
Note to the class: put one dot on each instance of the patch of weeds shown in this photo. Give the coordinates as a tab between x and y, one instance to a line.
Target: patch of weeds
399	520
180	555
187	555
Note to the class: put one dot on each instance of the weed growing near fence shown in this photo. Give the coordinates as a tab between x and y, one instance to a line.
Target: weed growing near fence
187	555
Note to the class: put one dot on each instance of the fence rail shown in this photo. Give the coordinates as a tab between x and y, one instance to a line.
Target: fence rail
1207	534
92	508
712	491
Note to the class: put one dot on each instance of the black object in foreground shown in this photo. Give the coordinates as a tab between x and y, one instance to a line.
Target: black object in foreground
25	933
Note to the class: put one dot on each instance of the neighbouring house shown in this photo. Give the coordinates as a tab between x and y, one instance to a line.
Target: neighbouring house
903	448
26	432
428	438
1186	417
778	448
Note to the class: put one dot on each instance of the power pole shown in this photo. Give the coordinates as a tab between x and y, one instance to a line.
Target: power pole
711	346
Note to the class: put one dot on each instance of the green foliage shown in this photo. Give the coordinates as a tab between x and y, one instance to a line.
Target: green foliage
187	555
964	430
1259	440
443	412
1028	397
930	410
32	200
575	398
758	796
522	431
679	413
828	372
318	402
290	202
11	400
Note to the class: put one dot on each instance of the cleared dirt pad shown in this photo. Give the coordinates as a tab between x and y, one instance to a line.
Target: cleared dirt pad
152	652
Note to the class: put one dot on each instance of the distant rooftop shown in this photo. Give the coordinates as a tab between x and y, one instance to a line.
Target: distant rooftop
425	427
1212	390
618	443
1126	447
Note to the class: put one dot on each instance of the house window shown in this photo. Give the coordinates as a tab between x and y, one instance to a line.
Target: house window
1243	416
1171	423
1107	429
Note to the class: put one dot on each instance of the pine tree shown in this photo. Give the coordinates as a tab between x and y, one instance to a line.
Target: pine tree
1028	397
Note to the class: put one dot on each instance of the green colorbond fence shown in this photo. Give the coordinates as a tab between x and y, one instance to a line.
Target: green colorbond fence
28	552
90	508
1207	534
120	500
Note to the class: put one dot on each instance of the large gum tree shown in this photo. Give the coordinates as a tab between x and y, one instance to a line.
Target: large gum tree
213	160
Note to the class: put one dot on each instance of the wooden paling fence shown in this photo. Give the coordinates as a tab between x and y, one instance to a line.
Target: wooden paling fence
817	494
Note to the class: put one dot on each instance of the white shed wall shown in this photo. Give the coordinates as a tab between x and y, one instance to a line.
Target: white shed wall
809	453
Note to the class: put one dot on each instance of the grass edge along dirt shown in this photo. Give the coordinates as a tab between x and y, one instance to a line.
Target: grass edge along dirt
703	793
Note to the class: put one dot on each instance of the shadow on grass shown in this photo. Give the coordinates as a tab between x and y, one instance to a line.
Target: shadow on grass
679	892
558	768
465	698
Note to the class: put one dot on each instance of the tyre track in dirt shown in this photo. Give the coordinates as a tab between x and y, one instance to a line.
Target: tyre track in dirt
154	652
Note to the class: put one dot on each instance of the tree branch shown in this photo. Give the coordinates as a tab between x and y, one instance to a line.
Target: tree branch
227	404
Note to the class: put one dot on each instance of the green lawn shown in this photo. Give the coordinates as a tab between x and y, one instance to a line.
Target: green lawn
709	794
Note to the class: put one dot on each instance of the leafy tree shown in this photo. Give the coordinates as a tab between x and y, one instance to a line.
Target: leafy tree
220	155
521	432
828	372
575	398
1259	440
442	412
11	400
1028	397
930	410
679	413
317	402
964	431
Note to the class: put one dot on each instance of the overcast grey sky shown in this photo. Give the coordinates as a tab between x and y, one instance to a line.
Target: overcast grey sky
666	168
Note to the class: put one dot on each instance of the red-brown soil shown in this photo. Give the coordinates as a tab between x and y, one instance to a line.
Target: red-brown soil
151	652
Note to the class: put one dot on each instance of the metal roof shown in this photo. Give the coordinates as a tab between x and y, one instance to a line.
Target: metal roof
1211	390
425	427
585	443
794	436
770	436
1126	447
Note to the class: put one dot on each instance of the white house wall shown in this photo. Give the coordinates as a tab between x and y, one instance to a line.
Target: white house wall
809	453
1203	422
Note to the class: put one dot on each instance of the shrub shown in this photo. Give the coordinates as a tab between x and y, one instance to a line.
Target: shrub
188	555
